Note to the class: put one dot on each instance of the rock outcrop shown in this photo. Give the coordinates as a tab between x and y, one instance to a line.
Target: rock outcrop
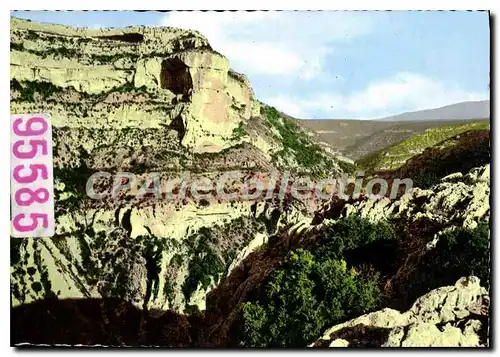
183	80
161	100
141	100
462	202
458	201
451	316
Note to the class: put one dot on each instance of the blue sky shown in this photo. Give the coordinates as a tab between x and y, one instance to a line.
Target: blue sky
335	64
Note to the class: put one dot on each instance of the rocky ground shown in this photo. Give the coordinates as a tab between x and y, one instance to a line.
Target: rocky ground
137	271
448	316
117	104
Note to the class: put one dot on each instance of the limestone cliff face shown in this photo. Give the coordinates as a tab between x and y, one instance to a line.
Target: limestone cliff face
139	99
185	82
458	201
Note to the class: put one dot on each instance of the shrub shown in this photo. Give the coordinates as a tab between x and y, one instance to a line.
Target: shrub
302	298
349	233
238	132
204	266
458	253
16	46
347	167
28	89
314	288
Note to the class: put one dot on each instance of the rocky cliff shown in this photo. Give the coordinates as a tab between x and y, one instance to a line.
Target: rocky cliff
146	270
131	78
440	236
143	100
449	316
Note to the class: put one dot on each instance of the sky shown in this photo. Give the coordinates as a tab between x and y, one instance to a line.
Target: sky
334	64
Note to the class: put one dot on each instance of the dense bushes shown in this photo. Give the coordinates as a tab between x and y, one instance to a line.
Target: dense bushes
314	289
460	252
347	167
205	266
28	89
349	233
304	297
467	251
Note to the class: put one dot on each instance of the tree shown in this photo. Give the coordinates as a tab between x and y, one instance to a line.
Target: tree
304	297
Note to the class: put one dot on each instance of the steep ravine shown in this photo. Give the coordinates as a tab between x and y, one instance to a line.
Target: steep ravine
143	270
142	100
217	326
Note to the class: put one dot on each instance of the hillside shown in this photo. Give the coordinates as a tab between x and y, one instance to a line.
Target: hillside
394	156
118	104
273	270
358	138
415	254
459	111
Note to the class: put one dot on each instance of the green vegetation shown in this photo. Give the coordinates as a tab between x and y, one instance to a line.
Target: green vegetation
458	154
347	167
57	52
467	251
205	265
64	51
304	297
297	146
16	46
396	155
127	88
210	253
75	181
44	274
32	35
54	51
314	289
28	89
349	233
239	132
168	290
460	252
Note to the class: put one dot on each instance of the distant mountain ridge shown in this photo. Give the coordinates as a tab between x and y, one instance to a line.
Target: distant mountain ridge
458	111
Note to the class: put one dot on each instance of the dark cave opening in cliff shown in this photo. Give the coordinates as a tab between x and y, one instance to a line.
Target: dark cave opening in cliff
175	77
178	125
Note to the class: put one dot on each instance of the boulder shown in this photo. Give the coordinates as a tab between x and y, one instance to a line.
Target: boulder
450	316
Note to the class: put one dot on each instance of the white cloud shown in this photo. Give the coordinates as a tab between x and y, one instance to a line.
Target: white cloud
403	92
275	43
265	57
275	48
288	106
